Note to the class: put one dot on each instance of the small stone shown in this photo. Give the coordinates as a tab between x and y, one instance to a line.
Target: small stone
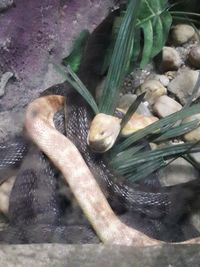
196	157
164	79
153	89
193	135
182	86
127	100
165	106
194	56
182	33
170	59
171	75
179	171
137	122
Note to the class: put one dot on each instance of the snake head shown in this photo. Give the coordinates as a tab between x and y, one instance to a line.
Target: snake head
103	132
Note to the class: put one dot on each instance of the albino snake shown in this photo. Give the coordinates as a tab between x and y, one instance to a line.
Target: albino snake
62	152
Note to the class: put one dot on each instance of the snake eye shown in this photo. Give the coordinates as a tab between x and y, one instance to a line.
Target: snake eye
102	132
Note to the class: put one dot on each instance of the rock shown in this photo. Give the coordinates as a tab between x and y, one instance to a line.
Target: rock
4	80
5	4
170	59
196	157
161	78
182	33
153	89
194	56
179	171
195	220
137	122
51	255
126	100
52	76
165	106
28	49
182	85
193	135
171	75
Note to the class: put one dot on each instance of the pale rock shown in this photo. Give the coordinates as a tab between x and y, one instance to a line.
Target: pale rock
164	79
165	106
182	33
171	75
127	100
171	59
193	135
153	90
182	85
179	171
196	157
194	56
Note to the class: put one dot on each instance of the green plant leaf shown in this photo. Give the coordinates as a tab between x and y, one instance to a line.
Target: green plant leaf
120	59
154	21
174	132
129	165
158	126
148	42
75	82
74	58
131	110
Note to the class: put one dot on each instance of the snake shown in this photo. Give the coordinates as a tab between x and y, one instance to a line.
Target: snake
139	200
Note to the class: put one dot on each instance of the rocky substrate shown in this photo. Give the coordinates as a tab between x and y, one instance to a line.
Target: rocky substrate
50	255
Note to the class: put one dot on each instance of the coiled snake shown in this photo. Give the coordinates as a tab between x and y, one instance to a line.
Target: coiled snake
160	207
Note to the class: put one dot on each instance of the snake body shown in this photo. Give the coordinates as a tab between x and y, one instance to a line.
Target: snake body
85	188
35	210
34	207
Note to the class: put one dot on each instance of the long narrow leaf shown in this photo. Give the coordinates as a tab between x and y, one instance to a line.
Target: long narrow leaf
145	170
178	131
148	43
120	59
157	126
73	79
161	153
132	109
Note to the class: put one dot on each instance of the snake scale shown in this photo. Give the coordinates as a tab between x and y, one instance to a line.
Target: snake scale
35	211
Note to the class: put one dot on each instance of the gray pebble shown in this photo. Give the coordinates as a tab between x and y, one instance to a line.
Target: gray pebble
165	106
182	33
179	171
194	56
170	59
193	135
126	100
153	89
182	85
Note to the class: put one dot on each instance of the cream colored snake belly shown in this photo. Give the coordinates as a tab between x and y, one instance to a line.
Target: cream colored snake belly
66	157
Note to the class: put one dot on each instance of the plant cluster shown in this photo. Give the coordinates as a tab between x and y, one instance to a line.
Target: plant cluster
139	34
